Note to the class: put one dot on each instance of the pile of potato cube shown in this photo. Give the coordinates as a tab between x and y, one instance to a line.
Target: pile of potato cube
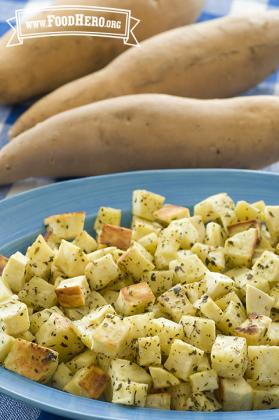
178	312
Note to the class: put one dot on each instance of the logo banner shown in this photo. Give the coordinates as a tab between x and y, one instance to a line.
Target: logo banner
73	20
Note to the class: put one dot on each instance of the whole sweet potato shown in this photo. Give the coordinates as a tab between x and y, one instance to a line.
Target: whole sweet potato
144	132
215	59
42	64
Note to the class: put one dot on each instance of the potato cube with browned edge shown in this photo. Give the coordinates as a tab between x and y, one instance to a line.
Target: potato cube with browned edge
254	328
88	382
235	394
135	262
40	258
3	263
32	360
107	215
72	293
111	235
57	333
14	317
14	273
183	359
38	294
129	393
66	225
134	299
199	332
149	351
162	378
239	249
145	203
175	303
263	364
85	242
169	212
161	401
204	381
229	356
70	259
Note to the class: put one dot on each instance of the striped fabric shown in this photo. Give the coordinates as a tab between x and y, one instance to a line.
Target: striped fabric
14	410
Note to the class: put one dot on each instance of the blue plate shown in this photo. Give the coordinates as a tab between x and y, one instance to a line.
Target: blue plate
21	219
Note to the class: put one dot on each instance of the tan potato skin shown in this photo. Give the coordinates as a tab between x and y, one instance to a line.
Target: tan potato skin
42	64
215	59
148	131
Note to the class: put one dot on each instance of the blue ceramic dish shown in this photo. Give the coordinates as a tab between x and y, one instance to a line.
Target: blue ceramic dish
21	219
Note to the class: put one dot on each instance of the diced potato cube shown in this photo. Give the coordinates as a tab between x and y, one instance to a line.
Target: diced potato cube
40	258
236	394
82	360
158	281
224	301
213	258
85	326
134	262
168	245
199	225
202	402
233	316
5	292
194	290
214	235
169	212
61	377
239	249
254	328
243	226
245	211
274	293
72	293
67	225
263	364
183	359
209	308
266	398
124	370
27	335
267	267
107	215
239	276
85	242
40	317
186	232
162	378
258	302
204	381
149	351
139	325
199	332
115	236
57	333
149	242
110	296
70	259
38	293
88	382
204	363
31	360
142	227
168	331
6	342
176	303
134	299
161	401
14	271
3	263
271	217
102	272
217	285
217	207
272	334
145	203
110	336
99	253
179	395
229	356
14	317
188	269
129	393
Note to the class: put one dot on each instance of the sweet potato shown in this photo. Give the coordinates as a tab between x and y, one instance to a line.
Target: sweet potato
42	64
215	59
144	132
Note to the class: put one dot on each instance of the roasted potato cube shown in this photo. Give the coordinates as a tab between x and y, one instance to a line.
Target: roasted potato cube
217	285
115	236
263	364
271	218
102	272
129	393
40	258
176	303
124	370
166	214
31	360
185	230
162	378
245	211
168	245
5	292
161	401
82	360
204	381
214	235
224	301
257	301
40	317
3	263
236	394
272	334
199	225
70	259
254	328
199	332
57	333
188	269
239	249
72	293
209	308
110	336
88	382
274	293
146	203
229	356
139	325
85	242
14	317
99	253
243	226
134	299
88	323
179	395
38	294
61	377
158	281
217	207
142	227
266	398
6	342
233	316
183	359
267	267
135	262
149	351
149	242
67	225
202	402
14	271
107	215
